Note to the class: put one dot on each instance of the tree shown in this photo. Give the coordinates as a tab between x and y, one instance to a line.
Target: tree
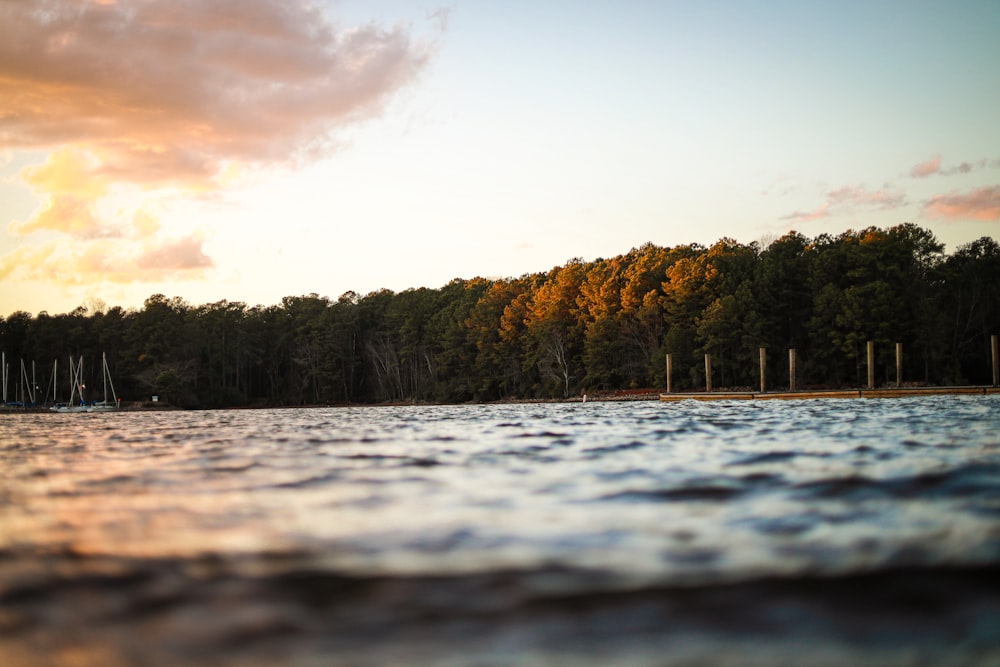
598	306
450	340
554	329
162	347
496	330
220	330
968	293
600	325
309	347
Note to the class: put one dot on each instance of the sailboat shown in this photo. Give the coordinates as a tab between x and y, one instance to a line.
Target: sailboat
77	387
104	405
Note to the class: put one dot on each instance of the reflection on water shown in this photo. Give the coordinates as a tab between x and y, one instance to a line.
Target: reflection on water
683	533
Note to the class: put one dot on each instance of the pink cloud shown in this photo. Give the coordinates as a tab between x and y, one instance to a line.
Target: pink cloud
933	166
109	261
174	96
858	195
819	213
166	91
925	169
980	204
848	198
178	255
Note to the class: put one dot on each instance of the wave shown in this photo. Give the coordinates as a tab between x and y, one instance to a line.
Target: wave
224	611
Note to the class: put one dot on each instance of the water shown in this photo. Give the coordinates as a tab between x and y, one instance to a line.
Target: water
805	532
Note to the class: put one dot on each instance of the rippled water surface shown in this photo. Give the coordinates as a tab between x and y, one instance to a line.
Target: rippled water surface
640	533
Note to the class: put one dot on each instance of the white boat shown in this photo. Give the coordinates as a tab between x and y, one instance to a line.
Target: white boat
77	403
64	407
105	406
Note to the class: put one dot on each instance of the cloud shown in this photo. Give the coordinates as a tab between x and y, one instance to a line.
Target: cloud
78	263
858	195
165	91
928	168
27	262
67	171
167	96
442	16
980	204
963	168
179	255
809	216
70	189
847	199
68	214
933	166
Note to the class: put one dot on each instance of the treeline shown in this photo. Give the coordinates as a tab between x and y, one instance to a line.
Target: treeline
582	327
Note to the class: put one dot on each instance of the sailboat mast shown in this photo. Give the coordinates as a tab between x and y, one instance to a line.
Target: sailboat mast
79	379
25	389
54	381
108	380
73	381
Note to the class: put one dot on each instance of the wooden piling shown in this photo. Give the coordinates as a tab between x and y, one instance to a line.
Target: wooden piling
791	369
763	370
996	361
670	371
870	385
871	364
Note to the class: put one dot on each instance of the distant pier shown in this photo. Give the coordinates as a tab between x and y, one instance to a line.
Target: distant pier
831	393
793	392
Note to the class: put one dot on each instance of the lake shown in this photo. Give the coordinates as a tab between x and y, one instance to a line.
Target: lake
826	532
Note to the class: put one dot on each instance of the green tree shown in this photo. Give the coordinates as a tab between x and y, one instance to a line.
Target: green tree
161	342
497	331
968	294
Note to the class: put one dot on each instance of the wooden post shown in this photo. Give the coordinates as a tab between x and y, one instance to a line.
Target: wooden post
670	370
763	370
996	361
899	364
791	369
708	372
871	364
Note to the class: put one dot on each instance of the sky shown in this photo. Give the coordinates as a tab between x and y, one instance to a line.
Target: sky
249	150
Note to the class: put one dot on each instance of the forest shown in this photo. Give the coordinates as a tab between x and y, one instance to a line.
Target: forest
586	326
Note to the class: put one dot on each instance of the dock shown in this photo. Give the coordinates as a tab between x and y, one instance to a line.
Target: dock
829	393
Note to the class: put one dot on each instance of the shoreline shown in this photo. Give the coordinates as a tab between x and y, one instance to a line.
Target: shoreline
619	396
